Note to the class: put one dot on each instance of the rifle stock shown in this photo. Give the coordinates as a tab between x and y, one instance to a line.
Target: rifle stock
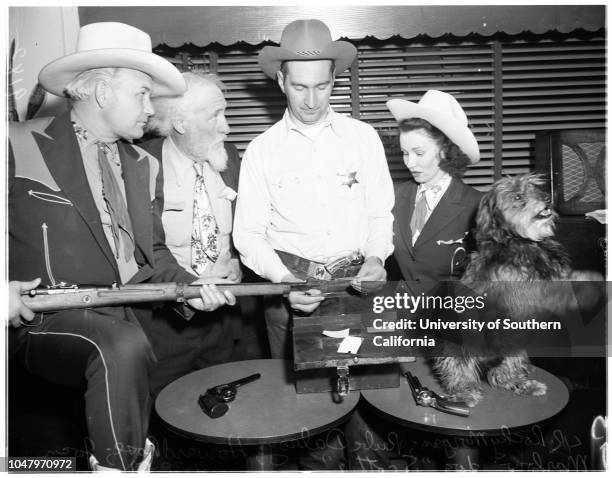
75	297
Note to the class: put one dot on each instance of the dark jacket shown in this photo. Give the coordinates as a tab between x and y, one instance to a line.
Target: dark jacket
55	230
435	256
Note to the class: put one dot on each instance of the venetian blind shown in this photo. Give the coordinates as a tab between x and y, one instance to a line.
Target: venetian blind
408	71
509	90
549	85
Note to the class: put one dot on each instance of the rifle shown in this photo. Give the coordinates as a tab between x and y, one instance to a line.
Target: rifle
78	297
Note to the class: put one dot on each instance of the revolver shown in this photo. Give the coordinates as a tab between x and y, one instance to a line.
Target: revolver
425	397
214	401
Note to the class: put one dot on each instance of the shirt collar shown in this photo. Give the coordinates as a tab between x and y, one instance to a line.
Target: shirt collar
176	159
435	191
290	125
85	136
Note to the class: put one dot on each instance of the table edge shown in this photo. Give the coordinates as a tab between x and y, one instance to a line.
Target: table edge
237	441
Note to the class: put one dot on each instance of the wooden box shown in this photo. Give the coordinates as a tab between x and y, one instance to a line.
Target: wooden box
317	361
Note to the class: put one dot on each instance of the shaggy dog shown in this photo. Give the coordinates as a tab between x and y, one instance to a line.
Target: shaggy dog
517	266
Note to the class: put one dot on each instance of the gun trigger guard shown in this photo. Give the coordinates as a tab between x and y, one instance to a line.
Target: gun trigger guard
180	292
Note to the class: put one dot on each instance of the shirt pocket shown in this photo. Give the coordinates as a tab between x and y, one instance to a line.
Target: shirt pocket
294	196
294	185
348	187
223	215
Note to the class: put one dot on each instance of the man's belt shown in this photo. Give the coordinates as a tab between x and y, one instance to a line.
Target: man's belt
347	266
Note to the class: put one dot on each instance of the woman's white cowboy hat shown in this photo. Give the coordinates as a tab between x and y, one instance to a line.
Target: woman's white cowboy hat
445	113
306	40
112	45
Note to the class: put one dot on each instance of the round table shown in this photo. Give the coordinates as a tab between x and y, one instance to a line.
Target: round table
499	411
265	412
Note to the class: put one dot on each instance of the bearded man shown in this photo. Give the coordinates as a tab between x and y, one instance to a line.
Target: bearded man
200	178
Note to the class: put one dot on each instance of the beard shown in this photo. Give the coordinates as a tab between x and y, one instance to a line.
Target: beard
217	157
215	154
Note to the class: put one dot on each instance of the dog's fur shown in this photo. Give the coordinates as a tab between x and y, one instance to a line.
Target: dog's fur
515	225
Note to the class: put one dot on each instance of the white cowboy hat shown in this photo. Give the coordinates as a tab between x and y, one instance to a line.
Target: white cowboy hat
445	113
306	40
112	45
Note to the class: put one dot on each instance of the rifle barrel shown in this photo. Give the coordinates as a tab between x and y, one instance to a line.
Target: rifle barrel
47	300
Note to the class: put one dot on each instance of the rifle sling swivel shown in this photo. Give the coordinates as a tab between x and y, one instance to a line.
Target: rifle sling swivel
180	292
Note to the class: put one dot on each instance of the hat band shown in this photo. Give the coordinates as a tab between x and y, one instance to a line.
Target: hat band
308	52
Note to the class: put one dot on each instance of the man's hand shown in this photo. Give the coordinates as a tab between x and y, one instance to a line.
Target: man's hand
305	302
229	270
235	271
372	270
17	309
211	298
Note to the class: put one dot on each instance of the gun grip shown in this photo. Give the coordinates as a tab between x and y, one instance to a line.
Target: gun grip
211	406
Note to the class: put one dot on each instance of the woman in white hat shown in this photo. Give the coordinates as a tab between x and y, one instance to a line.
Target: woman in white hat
433	214
434	211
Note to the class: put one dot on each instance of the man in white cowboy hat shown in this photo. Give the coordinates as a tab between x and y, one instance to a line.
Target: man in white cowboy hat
315	187
84	208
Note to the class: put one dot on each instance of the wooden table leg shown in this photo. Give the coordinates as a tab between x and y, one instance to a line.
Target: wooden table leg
261	460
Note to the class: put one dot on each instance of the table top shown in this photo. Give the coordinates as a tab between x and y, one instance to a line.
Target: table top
499	410
265	411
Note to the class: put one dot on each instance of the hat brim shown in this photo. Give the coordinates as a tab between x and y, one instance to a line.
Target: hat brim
341	52
167	80
457	133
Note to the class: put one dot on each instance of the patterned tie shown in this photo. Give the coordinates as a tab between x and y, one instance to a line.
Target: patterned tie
420	213
205	232
120	219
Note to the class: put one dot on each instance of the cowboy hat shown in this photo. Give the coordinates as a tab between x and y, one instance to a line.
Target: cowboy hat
445	113
112	45
306	40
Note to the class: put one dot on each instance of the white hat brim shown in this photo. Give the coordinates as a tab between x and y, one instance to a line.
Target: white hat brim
167	80
456	132
341	52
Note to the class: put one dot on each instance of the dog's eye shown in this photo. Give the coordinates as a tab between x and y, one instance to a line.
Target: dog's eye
518	197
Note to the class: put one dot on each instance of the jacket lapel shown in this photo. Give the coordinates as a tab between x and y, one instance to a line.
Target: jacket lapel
136	176
62	155
449	207
406	204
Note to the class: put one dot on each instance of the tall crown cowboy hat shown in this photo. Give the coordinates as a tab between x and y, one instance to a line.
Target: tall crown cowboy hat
445	113
306	40
112	45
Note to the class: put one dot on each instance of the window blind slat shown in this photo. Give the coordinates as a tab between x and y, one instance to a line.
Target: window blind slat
547	85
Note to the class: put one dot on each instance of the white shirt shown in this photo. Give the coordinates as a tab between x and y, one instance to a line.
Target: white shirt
177	216
319	196
433	194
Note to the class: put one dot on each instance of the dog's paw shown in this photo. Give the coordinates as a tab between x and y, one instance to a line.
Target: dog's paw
530	387
470	397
